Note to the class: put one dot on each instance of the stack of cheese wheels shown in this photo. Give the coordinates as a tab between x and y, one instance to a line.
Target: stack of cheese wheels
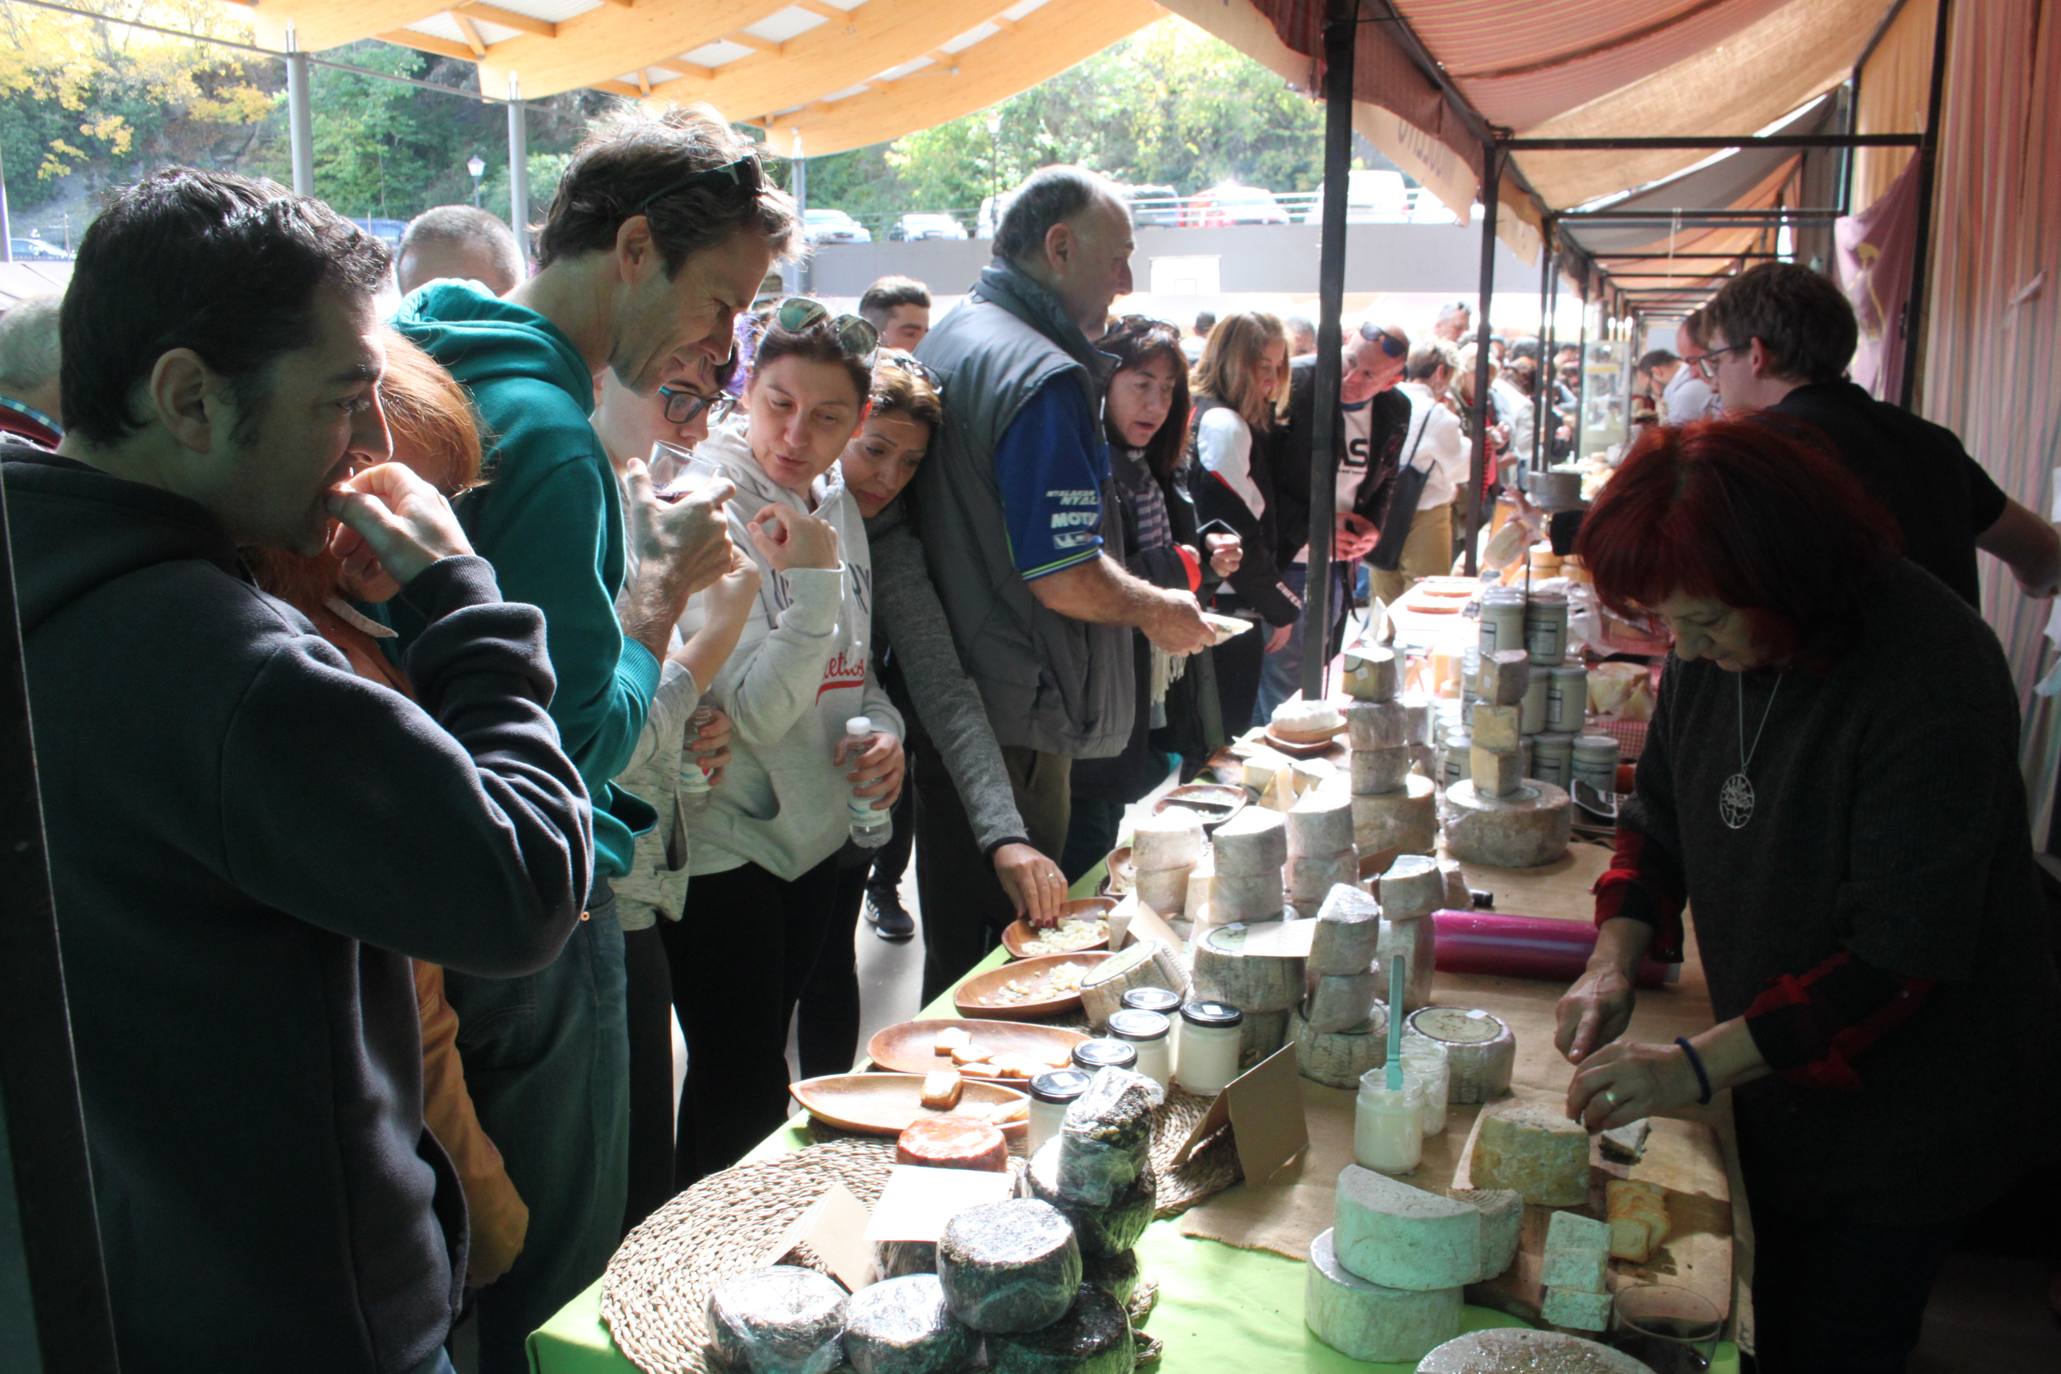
1393	806
1146	964
1411	890
1097	1174
1247	857
1525	829
1384	1283
1266	987
1342	946
1164	849
1480	1051
1321	854
1497	723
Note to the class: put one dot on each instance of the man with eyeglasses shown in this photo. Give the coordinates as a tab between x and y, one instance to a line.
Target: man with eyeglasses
660	233
1780	338
1366	446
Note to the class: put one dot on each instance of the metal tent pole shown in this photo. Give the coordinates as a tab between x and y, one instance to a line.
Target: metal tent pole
519	169
1491	177
300	126
1545	322
1339	33
1921	249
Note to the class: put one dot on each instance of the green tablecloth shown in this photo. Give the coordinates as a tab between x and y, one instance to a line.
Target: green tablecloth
1220	1308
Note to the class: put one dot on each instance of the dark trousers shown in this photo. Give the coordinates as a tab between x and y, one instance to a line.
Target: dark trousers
964	909
650	1004
891	860
738	962
1090	835
826	1022
1237	664
547	1062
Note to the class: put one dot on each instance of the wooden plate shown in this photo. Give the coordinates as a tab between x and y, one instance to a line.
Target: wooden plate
1302	749
886	1103
1214	802
976	996
1122	875
911	1047
1022	932
1225	627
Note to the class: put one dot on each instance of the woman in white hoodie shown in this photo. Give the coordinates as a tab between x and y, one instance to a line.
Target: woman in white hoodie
763	852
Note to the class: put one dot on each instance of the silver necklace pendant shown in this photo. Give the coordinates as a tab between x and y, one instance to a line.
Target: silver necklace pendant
1735	801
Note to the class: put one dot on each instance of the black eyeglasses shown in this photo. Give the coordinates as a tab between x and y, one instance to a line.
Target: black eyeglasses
857	337
1390	344
742	174
1705	365
683	405
895	357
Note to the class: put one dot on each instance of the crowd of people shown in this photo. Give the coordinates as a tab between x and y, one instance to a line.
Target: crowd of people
549	662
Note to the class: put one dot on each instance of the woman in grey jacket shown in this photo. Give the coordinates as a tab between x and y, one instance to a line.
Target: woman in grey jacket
919	664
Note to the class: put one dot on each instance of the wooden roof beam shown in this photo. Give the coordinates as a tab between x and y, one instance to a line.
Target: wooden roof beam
430	43
603	43
321	24
469	31
506	19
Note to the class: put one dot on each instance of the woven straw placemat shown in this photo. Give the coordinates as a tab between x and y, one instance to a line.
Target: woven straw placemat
655	1292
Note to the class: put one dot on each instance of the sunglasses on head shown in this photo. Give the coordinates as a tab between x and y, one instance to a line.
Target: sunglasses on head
683	405
895	357
857	337
743	174
1390	344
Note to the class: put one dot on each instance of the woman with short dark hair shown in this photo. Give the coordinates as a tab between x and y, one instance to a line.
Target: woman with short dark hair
1830	785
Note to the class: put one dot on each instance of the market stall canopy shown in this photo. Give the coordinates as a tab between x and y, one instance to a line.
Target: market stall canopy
819	76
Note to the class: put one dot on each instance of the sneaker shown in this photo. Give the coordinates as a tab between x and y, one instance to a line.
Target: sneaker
884	913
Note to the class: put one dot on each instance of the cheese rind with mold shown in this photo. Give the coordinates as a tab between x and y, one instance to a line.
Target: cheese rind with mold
1367	1321
1378	772
1321	822
1348	931
1406	819
1224	972
1252	842
1171	839
1534	1150
902	1326
1338	1060
1526	829
1502	1226
1009	1266
1093	1336
1342	1002
1479	1047
1517	1351
1103	1230
1376	725
1399	1236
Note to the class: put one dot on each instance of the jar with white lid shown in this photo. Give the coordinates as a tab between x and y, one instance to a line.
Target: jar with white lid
1545	630
1567	699
1388	1125
1595	761
1104	1053
1552	759
1456	760
1426	1067
1206	1055
1150	1034
1051	1093
1165	1001
1502	619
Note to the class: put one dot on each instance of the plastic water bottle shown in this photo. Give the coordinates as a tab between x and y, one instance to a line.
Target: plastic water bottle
694	788
870	827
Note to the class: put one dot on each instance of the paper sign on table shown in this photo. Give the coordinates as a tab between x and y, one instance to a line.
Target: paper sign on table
917	1202
1263	1108
835	1228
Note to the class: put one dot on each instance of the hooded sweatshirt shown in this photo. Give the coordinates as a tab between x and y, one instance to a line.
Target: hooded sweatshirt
798	673
550	520
246	842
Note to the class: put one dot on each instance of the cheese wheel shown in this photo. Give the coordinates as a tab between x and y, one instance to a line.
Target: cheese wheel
1171	839
1530	827
1495	772
1379	771
1348	931
1165	890
1376	725
953	1142
1201	879
902	1326
1224	972
1502	677
1338	1060
1116	1275
780	1318
1405	820
1321	822
1480	1050
1502	1226
1102	1231
1519	1351
1105	1138
1534	1150
1370	674
1295	720
1009	1266
1399	1236
1250	897
1412	887
1312	876
1366	1321
1259	1035
1253	841
1342	1002
1093	1336
1146	964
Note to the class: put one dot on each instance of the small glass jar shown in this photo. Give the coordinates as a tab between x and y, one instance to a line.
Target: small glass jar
1104	1053
1502	620
1150	1034
1595	761
1456	762
1388	1126
1567	699
1051	1093
1165	1001
1206	1058
1531	711
1426	1069
1552	759
1545	630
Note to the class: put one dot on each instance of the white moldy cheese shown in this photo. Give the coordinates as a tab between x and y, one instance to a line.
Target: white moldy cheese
1534	1150
1367	1321
1406	819
1171	839
1348	931
1252	842
1337	1059
1528	828
1321	822
1502	1226
1393	1234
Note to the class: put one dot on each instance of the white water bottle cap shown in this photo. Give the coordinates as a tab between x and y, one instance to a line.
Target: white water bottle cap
858	726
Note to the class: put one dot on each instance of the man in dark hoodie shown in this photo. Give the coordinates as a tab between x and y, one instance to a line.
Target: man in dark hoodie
660	233
248	840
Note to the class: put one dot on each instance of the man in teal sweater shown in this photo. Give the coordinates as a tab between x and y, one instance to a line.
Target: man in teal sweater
659	235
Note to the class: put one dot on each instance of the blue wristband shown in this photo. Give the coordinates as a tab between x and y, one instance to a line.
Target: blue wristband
1696	1063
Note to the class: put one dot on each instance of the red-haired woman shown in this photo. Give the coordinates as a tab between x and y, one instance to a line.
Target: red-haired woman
1831	786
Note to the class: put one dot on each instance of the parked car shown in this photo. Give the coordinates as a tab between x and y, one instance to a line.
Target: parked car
1231	203
832	226
387	231
35	250
1372	196
915	227
992	208
1154	207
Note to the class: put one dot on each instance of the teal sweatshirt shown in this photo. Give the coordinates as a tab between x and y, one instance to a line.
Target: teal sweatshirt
550	521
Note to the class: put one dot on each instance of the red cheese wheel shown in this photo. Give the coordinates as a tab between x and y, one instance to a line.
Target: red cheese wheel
953	1142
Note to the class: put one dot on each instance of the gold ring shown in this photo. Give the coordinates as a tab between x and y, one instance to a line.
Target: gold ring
1610	1096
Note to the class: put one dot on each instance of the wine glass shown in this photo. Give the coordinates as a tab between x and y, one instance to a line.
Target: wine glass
676	471
1672	1329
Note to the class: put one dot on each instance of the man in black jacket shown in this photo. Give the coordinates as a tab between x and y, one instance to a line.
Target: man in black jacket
1366	444
248	841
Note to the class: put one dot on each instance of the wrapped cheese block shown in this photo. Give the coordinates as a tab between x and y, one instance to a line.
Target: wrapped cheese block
1252	842
1519	1351
1171	839
1106	1139
1502	1226
1376	772
1101	1231
782	1320
1342	1002
1406	819
1412	887
1092	1337
1116	1275
1399	1236
902	1326
1530	827
1348	931
1534	1150
1009	1266
1321	822
1366	1321
952	1142
1146	964
1338	1060
1224	972
1576	1307
1479	1048
1253	898
1376	725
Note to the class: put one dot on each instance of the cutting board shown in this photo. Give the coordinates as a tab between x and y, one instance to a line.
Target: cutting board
1684	1159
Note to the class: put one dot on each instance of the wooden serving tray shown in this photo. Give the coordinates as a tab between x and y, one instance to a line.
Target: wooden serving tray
977	995
1219	802
1303	749
1021	932
911	1046
887	1103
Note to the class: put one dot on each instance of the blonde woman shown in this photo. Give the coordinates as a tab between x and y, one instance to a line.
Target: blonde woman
1241	394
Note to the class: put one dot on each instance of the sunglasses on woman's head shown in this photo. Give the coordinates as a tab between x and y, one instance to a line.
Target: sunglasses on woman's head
895	357
857	337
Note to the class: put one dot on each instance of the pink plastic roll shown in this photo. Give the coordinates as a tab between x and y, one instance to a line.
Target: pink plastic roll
1524	947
